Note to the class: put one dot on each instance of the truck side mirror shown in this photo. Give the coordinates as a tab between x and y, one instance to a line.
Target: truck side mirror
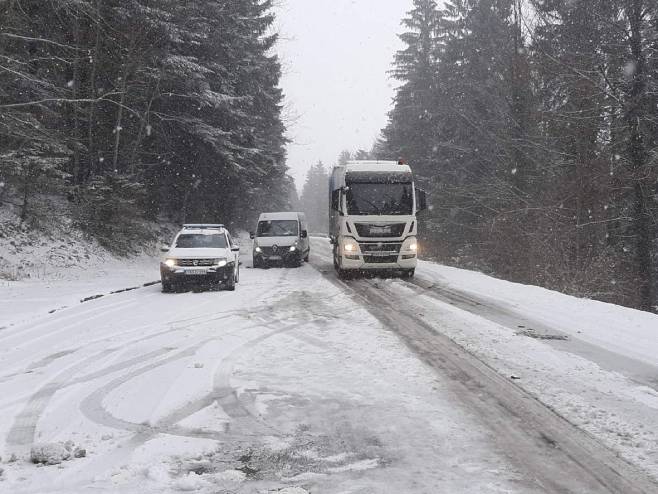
252	235
164	248
304	234
421	200
335	200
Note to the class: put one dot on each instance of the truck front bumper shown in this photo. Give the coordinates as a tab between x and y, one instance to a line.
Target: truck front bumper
361	264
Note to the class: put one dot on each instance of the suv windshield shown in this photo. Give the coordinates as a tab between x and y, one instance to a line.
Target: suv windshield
379	199
198	240
278	228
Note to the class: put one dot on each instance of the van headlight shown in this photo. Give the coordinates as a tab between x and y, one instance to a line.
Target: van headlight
170	263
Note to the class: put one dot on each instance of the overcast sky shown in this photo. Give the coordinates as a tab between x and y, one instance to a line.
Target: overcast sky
335	56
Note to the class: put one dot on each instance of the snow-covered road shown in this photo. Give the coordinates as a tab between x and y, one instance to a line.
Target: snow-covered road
298	381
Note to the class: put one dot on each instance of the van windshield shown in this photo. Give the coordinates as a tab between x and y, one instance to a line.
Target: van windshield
278	228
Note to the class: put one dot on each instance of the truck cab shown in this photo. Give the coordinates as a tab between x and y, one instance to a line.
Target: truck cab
373	225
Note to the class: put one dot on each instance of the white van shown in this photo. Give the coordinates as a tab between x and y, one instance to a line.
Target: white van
280	238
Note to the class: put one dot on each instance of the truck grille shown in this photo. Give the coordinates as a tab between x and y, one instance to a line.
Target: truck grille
195	262
380	247
380	230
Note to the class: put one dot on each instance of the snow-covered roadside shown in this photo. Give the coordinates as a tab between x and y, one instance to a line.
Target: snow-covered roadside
620	330
23	300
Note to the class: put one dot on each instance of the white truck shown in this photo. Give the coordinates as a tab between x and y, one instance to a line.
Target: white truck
372	217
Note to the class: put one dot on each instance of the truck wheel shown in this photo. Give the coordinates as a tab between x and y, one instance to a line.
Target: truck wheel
257	263
237	274
343	274
306	257
409	273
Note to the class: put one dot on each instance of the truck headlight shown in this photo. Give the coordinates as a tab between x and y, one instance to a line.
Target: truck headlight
170	263
258	249
350	246
410	244
293	248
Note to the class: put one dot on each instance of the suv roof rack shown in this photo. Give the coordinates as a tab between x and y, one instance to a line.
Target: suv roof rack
202	226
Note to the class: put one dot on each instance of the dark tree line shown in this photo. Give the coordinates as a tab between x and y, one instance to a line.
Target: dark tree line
534	126
140	109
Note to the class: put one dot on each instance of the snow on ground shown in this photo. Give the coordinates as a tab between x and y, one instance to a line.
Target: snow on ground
577	380
269	388
287	385
620	330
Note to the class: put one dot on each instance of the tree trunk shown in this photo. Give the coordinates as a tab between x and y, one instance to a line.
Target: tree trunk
636	113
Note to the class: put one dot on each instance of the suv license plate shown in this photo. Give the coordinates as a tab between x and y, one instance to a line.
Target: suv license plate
274	258
196	272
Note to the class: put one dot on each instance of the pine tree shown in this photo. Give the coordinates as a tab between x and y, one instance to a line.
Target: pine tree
314	200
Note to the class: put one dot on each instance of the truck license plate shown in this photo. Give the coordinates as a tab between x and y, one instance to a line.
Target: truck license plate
379	230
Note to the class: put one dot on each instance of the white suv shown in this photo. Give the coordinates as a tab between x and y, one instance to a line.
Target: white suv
200	254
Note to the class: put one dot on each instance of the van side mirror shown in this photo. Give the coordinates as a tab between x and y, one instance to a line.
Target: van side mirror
304	234
335	200
252	235
421	200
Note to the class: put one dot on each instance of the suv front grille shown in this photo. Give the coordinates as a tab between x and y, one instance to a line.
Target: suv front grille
380	259
195	262
373	230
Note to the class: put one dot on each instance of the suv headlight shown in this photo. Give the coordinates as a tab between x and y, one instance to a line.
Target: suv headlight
170	263
221	262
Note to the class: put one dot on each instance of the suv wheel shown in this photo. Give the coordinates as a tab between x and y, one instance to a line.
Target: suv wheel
230	282
167	286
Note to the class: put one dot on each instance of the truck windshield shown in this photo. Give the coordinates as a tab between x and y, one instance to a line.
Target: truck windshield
380	199
198	240
278	228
